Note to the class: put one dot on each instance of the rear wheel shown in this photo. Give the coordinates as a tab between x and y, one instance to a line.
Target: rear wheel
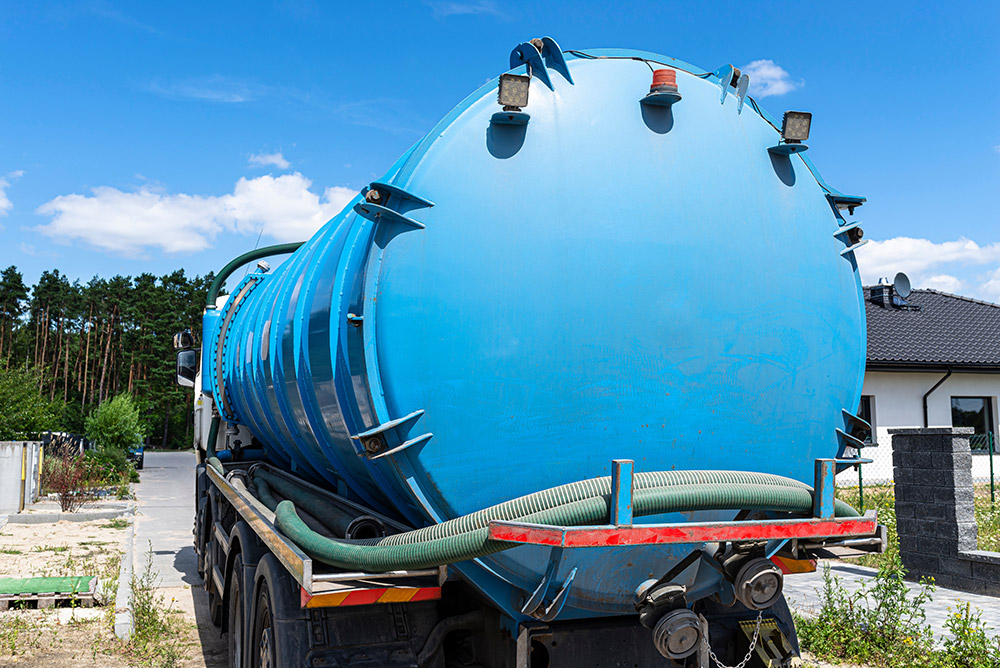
279	631
236	614
214	600
262	649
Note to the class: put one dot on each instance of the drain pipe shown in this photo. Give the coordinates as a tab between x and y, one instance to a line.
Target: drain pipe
930	391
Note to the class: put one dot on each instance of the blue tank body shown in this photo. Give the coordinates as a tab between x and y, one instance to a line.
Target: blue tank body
611	279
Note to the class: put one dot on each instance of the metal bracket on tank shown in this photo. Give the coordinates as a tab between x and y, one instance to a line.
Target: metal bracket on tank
390	438
849	202
725	74
541	55
536	606
854	430
741	92
387	205
851	235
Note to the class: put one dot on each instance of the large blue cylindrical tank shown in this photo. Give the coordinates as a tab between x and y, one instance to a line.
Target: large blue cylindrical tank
524	303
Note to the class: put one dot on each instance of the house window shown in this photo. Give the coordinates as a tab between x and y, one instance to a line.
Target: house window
975	412
866	411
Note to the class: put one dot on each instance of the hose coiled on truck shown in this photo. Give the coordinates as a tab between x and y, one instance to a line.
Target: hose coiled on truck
580	503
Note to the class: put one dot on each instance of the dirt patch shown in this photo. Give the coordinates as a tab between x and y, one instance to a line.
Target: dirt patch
45	638
62	548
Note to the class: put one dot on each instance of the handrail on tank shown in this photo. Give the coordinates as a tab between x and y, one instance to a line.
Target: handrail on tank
255	254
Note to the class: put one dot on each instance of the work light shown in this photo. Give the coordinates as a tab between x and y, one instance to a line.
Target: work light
795	126
513	91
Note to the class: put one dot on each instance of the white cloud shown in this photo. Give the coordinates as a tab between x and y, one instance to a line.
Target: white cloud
997	148
445	9
109	219
944	283
212	88
990	290
264	159
960	267
5	204
768	78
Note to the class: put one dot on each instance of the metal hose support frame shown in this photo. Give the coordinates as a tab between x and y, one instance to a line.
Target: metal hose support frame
250	256
339	521
465	538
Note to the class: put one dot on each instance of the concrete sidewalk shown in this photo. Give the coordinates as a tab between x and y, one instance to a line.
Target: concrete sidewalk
805	596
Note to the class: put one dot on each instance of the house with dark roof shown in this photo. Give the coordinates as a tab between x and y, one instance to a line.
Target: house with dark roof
933	361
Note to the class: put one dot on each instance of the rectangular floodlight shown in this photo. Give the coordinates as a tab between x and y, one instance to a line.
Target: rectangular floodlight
795	126
513	90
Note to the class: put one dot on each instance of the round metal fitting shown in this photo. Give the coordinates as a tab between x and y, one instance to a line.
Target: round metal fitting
759	584
677	635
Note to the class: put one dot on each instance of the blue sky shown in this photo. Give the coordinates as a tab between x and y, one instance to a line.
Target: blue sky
149	136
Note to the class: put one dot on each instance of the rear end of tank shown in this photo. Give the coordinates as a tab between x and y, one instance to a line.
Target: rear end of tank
619	269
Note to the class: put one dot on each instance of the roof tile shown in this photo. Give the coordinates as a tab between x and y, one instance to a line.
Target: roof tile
948	330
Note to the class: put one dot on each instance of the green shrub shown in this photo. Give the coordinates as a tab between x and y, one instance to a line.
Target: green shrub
115	424
111	458
23	411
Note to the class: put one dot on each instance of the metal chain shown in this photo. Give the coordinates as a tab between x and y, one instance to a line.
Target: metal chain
746	659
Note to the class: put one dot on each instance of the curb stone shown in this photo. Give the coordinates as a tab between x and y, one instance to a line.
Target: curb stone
46	518
124	622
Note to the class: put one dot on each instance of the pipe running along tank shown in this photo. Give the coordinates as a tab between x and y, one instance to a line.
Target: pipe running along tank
532	290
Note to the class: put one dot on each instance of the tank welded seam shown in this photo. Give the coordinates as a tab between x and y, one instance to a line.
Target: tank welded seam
251	283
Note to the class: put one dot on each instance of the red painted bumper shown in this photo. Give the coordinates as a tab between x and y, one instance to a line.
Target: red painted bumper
687	532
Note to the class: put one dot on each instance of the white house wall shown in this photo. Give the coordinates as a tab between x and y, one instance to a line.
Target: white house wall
899	403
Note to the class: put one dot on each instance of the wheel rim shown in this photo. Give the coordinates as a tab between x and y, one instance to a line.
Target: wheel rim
264	634
266	643
236	617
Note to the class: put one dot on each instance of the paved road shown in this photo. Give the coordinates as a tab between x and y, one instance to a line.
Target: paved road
804	593
166	516
163	525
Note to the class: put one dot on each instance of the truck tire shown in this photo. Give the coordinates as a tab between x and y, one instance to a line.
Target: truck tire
280	633
236	625
246	551
214	600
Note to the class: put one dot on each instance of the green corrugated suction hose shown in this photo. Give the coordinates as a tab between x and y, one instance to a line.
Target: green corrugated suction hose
467	537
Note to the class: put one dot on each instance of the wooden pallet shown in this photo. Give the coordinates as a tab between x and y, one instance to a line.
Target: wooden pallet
50	599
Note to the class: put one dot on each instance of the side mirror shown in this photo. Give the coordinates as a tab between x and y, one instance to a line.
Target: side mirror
187	367
183	340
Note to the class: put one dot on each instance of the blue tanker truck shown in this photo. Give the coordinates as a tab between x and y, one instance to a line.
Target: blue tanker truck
568	386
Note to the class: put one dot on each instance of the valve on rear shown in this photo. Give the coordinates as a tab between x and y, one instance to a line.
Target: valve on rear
677	634
758	584
676	630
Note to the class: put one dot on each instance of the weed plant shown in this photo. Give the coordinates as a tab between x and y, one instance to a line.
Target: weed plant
884	624
154	640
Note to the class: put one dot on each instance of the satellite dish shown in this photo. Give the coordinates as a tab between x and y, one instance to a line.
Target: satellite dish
901	285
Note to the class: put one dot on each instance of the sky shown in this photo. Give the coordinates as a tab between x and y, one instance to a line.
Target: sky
146	137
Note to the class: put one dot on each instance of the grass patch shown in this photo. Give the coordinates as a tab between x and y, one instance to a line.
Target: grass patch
883	499
18	634
50	548
10	550
987	519
117	523
884	624
155	639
